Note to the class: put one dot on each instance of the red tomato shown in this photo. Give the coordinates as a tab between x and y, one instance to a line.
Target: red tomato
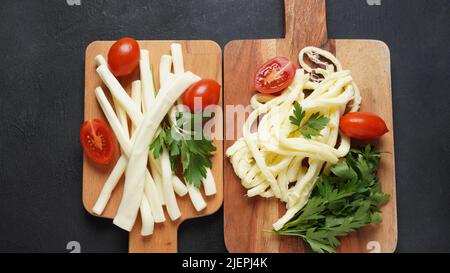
275	75
362	125
208	91
123	57
97	140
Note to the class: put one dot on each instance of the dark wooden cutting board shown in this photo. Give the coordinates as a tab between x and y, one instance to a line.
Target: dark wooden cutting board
248	219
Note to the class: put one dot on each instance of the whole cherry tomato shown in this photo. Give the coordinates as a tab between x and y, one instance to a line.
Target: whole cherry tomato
206	91
123	57
363	125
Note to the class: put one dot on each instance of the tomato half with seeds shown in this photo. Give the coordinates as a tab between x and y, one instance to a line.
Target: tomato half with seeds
363	125
275	75
97	141
123	57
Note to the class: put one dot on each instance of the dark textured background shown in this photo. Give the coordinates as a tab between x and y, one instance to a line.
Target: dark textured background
42	47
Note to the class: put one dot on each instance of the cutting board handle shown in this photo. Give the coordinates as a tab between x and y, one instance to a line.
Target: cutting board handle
163	240
303	15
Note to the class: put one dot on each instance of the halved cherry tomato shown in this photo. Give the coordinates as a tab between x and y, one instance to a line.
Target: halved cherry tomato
207	91
97	140
123	57
363	125
274	75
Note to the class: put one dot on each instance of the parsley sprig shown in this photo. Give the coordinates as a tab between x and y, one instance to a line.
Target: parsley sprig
312	126
347	199
191	148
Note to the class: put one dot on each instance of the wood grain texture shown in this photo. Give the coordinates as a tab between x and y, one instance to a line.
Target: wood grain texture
203	58
247	219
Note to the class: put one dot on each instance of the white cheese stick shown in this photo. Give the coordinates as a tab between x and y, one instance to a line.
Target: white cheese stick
155	166
169	195
153	197
178	186
148	88
177	56
136	95
110	184
209	185
196	198
165	65
137	164
148	222
99	60
178	62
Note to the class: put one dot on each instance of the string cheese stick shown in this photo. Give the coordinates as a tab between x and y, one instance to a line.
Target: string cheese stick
178	62
169	195
165	66
153	197
148	221
178	186
110	185
148	88
135	173
99	60
136	95
157	176
208	183
196	198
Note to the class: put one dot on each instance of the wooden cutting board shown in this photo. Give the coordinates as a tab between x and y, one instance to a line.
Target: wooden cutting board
203	58
248	219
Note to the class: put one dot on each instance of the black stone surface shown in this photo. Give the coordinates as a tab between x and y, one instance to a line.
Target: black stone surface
42	46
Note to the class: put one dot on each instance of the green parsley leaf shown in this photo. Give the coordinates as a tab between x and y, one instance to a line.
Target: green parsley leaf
312	126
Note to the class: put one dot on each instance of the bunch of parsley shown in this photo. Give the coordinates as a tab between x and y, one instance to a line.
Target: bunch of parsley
347	199
189	147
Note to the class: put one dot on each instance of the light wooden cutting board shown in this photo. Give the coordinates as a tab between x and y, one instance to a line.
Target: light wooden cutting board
203	58
248	219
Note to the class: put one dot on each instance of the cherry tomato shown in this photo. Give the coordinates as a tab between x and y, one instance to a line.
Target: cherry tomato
362	125
208	91
97	140
275	75
123	57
